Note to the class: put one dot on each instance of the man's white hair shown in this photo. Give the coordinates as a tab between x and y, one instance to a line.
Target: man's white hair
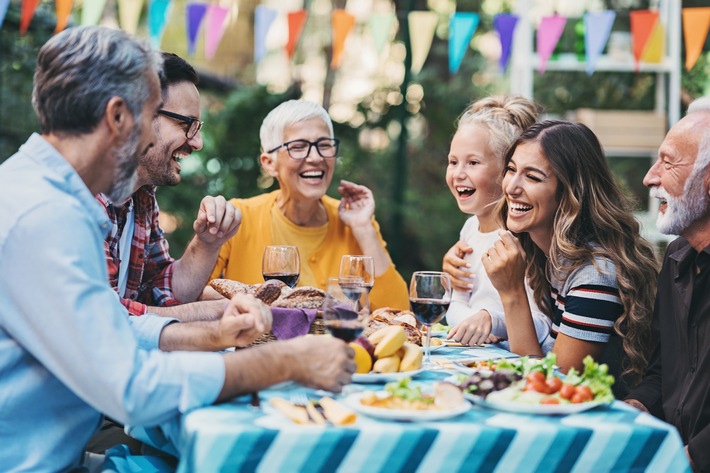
702	160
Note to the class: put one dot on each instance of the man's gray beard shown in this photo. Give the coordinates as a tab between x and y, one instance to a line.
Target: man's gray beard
681	212
125	179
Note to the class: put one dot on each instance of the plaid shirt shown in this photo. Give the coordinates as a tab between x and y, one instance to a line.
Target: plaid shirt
150	269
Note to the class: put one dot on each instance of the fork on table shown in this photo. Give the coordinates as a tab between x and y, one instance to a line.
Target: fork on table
299	398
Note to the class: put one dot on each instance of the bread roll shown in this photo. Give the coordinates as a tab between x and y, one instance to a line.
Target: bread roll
270	291
305	297
229	288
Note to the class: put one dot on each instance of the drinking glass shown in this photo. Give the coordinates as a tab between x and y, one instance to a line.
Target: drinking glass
282	263
345	314
356	271
429	298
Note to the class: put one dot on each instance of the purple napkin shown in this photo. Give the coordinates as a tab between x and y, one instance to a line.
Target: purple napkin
291	323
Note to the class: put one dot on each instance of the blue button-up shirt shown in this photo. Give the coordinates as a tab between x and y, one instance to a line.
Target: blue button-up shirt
68	349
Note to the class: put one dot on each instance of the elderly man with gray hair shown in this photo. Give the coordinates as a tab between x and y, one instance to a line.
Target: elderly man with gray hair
68	350
677	386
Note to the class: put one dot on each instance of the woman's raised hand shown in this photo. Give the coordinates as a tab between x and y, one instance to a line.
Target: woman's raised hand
505	263
357	207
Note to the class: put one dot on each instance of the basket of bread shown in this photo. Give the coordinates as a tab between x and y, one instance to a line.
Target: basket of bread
276	294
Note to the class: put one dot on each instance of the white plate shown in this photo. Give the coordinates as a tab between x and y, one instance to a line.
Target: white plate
353	401
523	408
462	368
433	349
383	377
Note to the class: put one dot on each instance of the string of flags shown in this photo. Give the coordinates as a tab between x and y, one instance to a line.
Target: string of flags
647	31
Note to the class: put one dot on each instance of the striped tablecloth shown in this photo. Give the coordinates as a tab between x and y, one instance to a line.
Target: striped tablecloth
236	437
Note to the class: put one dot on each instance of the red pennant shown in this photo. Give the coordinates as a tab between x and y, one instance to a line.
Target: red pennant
296	22
26	14
642	24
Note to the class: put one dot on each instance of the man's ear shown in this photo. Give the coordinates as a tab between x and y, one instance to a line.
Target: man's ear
118	118
269	164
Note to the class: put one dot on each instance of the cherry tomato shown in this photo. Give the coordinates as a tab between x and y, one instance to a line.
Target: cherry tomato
576	398
550	400
538	386
534	376
567	391
585	392
553	384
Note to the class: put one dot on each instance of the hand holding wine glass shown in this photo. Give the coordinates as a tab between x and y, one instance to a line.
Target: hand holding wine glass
345	313
429	298
282	263
356	271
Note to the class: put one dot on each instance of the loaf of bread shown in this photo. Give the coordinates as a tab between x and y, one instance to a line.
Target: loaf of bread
305	297
270	291
273	292
229	288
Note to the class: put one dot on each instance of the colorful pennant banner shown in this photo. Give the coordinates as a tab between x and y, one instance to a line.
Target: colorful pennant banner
194	14
597	27
63	9
263	18
3	10
129	14
381	29
342	23
216	19
296	22
462	26
642	24
158	12
422	26
26	14
504	25
548	35
655	46
92	11
696	22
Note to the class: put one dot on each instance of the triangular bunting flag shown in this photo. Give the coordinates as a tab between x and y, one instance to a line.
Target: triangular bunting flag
26	14
462	26
653	52
92	11
343	23
216	24
696	22
548	35
642	24
194	14
263	18
296	22
129	14
158	11
505	24
597	27
422	26
63	8
3	10
381	29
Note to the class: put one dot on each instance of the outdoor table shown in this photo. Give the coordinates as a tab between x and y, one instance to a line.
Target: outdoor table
238	437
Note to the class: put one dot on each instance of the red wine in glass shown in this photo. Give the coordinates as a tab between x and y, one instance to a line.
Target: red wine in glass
290	279
346	330
429	311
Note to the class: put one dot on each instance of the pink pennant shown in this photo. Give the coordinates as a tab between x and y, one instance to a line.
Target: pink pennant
216	22
548	35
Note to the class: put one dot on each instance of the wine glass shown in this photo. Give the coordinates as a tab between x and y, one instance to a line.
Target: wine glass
282	263
429	298
345	313
356	271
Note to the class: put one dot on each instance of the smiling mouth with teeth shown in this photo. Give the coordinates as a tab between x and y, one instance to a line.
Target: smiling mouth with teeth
520	208
465	191
312	174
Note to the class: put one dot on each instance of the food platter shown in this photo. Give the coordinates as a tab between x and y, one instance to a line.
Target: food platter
494	402
353	401
462	366
383	377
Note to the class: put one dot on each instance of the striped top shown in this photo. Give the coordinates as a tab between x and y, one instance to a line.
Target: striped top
586	303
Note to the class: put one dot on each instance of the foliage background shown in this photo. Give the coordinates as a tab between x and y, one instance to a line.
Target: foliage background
228	164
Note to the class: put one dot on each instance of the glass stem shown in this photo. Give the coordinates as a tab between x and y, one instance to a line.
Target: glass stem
427	357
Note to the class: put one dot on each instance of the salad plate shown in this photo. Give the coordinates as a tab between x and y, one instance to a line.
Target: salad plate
411	415
500	402
383	377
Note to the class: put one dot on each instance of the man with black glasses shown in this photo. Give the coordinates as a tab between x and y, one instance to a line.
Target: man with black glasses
299	151
140	268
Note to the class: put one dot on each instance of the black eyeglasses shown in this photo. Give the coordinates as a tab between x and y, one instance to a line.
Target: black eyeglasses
193	124
301	149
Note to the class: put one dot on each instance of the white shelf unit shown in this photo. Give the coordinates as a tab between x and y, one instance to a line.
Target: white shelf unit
524	62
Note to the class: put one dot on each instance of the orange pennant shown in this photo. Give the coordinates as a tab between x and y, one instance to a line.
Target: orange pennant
696	22
655	46
642	24
296	22
343	23
63	10
26	14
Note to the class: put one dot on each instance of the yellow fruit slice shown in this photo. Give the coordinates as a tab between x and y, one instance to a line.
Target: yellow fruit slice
363	360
